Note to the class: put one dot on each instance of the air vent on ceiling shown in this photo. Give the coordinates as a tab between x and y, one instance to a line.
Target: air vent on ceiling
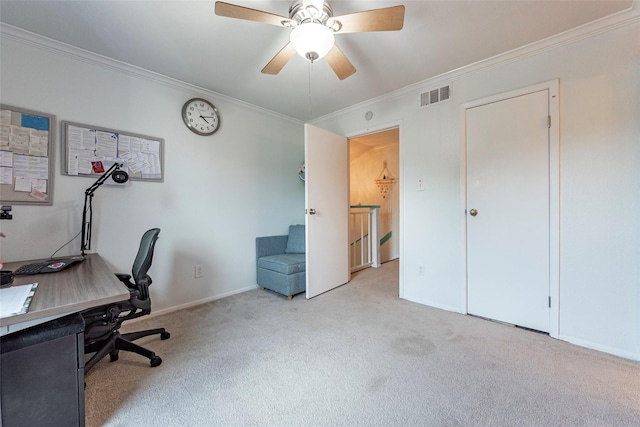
434	96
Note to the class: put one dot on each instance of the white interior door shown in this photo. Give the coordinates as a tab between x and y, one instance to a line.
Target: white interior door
507	146
327	210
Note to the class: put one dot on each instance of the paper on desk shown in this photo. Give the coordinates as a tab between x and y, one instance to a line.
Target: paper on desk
16	299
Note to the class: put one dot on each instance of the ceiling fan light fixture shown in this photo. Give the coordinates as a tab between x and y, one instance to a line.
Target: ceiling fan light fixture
318	4
313	7
313	26
312	41
334	25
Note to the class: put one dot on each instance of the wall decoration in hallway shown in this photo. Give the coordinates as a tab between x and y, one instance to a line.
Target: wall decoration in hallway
385	181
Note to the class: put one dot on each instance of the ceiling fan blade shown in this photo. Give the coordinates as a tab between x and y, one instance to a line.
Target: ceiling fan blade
386	19
280	60
339	63
240	12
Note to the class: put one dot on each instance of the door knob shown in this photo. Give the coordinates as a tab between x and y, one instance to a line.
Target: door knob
473	212
311	211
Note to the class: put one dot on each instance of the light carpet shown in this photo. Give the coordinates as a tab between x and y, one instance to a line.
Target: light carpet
356	356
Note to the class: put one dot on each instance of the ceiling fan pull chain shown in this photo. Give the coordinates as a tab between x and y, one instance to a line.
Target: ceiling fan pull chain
309	68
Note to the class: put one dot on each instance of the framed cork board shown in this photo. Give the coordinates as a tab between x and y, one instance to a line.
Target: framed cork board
88	149
26	156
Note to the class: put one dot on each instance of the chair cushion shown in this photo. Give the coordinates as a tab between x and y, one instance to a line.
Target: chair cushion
284	264
295	242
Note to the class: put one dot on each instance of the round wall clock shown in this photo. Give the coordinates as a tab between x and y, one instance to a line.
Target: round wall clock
201	116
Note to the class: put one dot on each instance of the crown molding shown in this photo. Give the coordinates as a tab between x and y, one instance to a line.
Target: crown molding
41	42
585	31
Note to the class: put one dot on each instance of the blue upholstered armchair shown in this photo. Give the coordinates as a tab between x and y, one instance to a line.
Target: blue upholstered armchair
281	263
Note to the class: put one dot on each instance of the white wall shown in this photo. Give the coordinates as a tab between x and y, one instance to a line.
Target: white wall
219	192
599	182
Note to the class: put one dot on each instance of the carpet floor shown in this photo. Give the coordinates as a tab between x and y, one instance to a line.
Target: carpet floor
356	356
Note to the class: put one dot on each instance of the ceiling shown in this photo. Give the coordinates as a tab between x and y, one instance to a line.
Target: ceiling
359	146
185	40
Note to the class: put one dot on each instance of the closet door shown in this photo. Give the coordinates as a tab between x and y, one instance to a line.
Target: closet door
507	145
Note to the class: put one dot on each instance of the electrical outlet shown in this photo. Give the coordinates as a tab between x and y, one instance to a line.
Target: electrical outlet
197	271
421	270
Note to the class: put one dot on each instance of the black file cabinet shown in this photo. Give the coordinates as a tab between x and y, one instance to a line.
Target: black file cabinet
43	374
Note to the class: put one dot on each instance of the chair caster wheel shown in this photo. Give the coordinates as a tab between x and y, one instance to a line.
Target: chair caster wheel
155	361
165	336
113	357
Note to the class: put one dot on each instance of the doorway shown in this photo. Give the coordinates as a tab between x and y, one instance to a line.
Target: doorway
511	219
374	171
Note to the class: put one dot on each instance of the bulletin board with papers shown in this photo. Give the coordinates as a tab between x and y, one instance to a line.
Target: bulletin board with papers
91	150
26	156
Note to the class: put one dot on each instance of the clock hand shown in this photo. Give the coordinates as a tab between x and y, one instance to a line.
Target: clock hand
202	117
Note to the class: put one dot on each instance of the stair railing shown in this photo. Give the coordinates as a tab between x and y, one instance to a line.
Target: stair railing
364	237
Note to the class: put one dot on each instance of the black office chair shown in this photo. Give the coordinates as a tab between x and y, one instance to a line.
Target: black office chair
102	324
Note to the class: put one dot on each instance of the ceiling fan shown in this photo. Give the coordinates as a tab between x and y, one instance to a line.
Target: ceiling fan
313	27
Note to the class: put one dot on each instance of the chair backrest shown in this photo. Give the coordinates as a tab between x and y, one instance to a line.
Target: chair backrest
143	260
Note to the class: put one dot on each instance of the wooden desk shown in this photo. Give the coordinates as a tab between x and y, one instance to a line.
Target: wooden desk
88	284
43	366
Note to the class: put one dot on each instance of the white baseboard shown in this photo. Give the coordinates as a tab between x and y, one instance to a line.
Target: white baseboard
435	305
194	303
577	341
599	347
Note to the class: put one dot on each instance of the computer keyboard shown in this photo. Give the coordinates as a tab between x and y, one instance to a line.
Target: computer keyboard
50	266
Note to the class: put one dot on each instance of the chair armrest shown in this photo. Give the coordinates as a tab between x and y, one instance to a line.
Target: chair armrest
123	277
270	245
126	279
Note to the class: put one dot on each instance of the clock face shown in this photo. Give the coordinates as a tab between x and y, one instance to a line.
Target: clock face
201	116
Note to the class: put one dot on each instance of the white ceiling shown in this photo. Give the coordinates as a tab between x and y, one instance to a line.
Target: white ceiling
361	145
185	40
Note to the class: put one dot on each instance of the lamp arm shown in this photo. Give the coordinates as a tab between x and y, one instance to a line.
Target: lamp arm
114	167
86	225
88	199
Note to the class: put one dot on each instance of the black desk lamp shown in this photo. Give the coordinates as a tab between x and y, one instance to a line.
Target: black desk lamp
119	176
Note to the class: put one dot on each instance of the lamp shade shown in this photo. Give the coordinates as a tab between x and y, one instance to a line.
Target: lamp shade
312	40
